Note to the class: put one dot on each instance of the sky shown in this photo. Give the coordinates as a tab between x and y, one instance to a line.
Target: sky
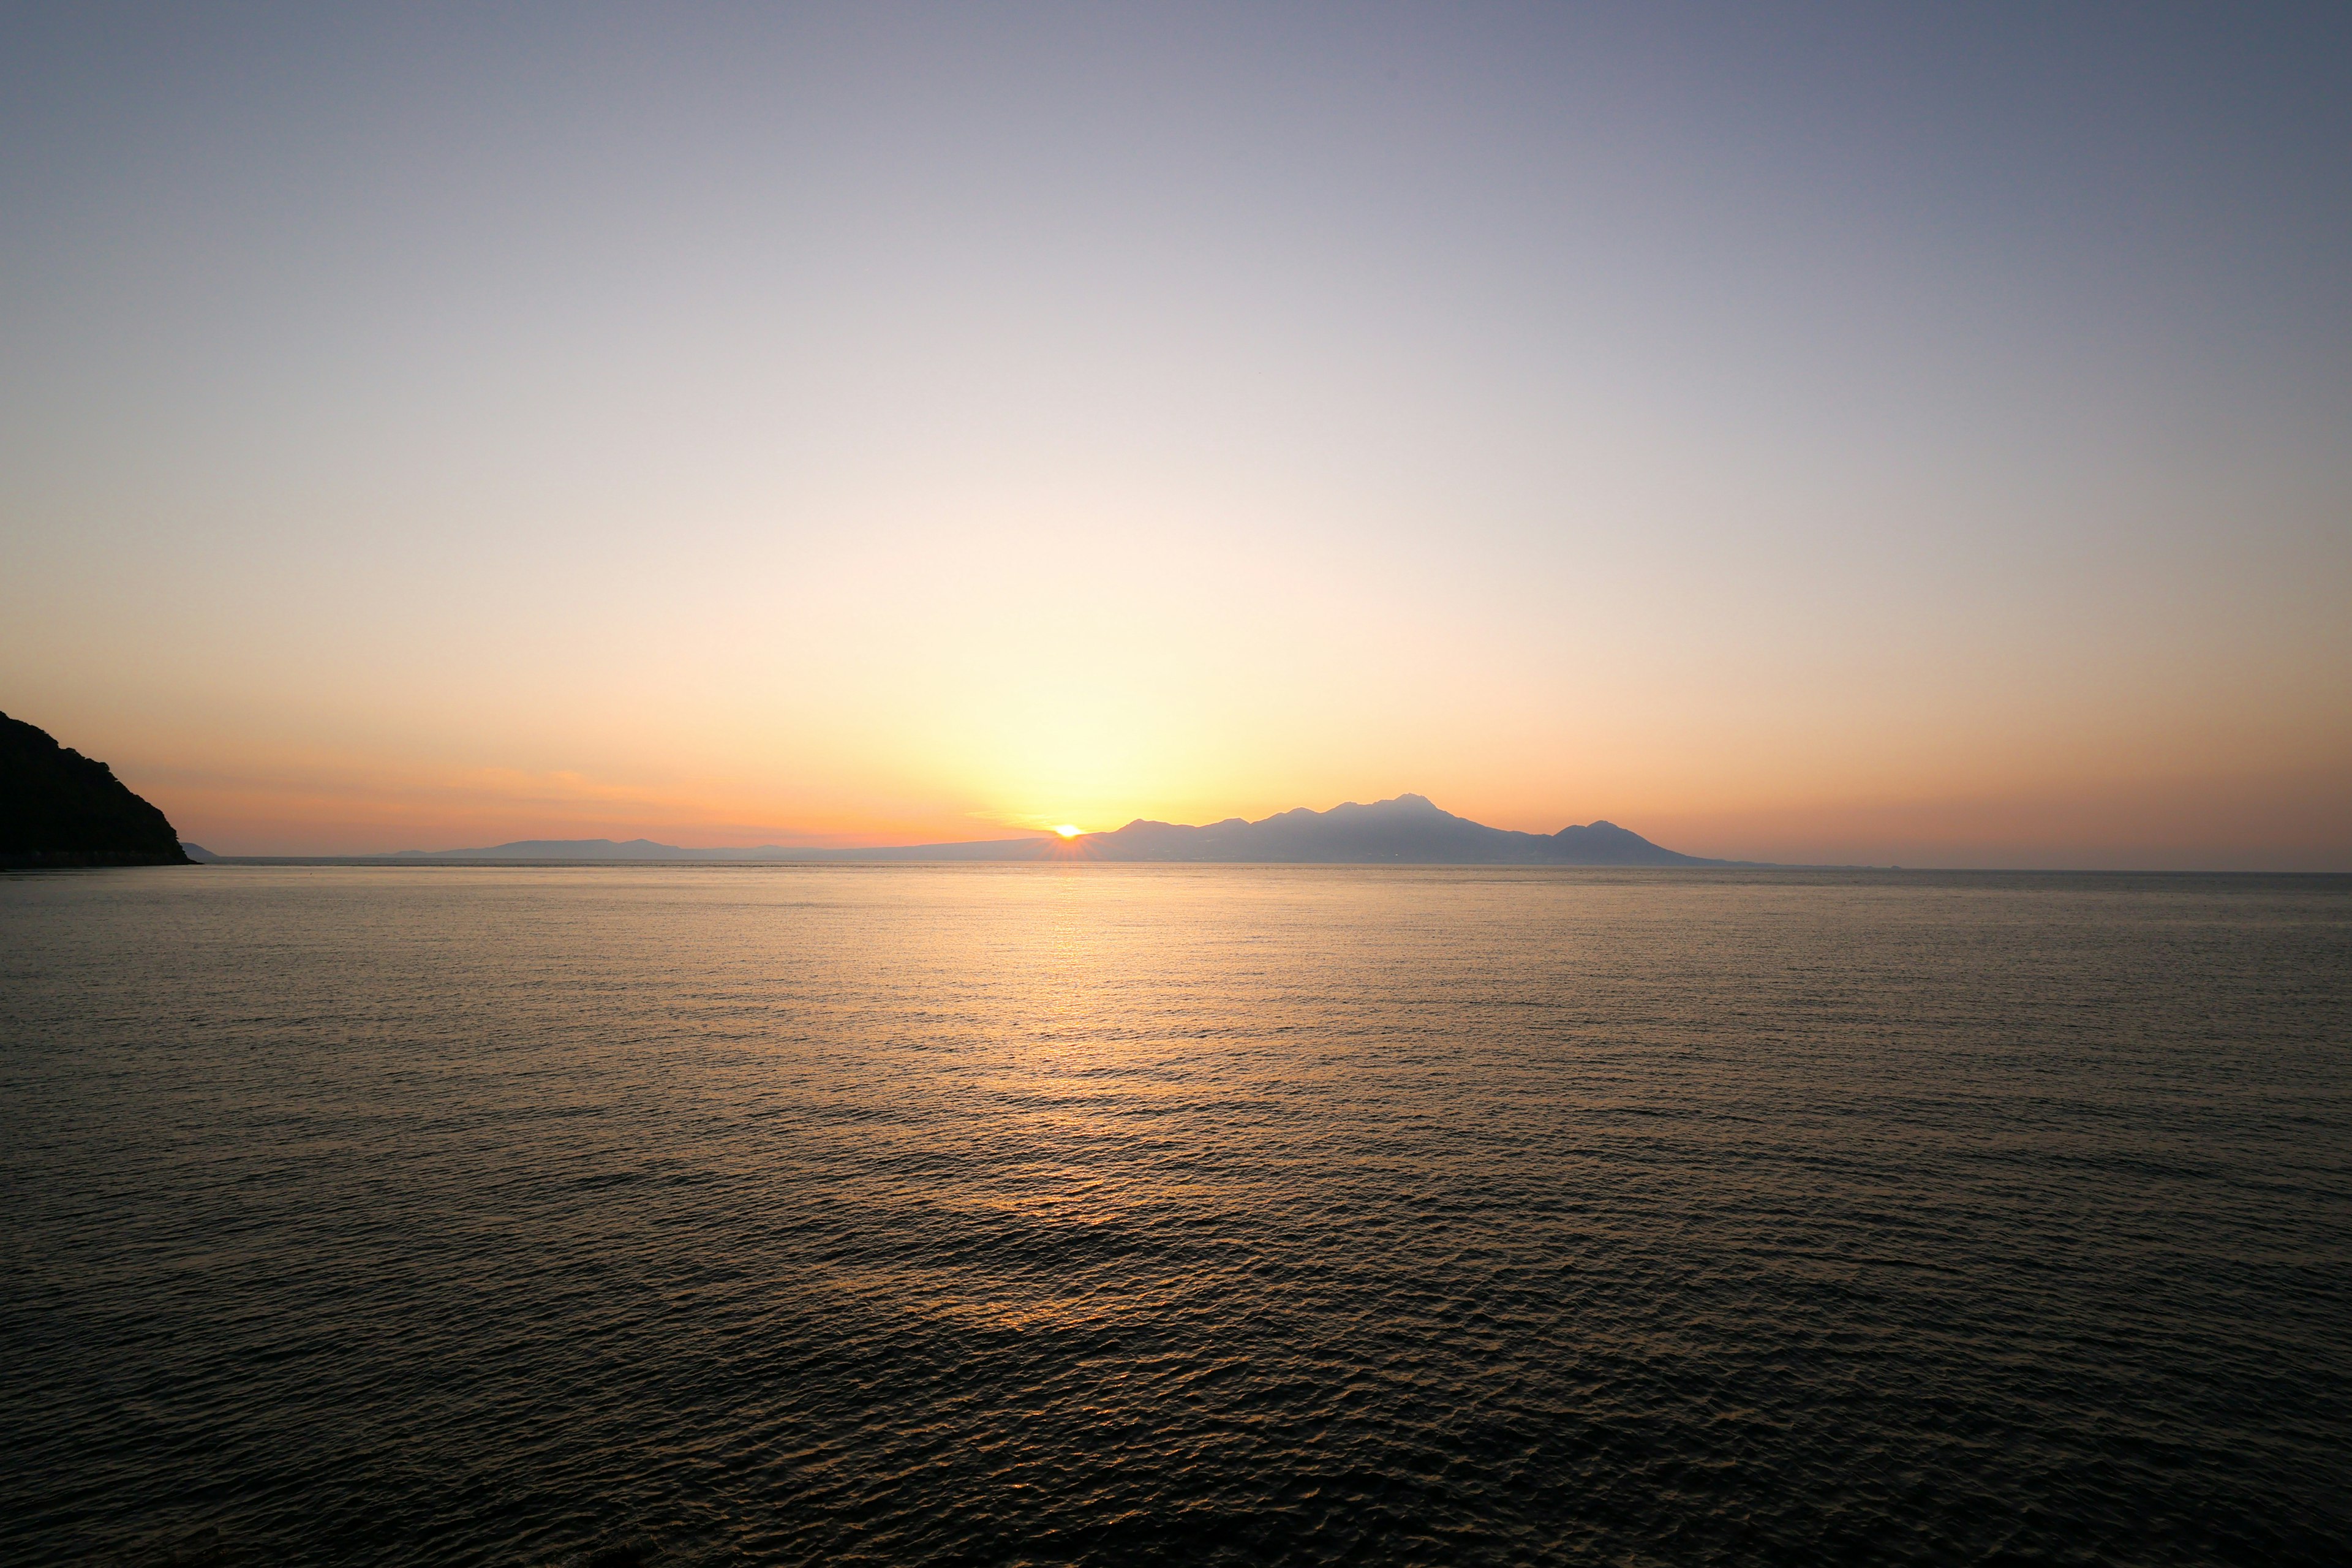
1858	434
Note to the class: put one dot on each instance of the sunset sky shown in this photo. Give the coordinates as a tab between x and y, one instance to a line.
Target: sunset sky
1850	434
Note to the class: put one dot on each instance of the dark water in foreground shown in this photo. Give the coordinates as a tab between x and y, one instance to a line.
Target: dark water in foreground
1117	1215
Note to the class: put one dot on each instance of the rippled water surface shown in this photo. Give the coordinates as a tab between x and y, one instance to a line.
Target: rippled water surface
1199	1214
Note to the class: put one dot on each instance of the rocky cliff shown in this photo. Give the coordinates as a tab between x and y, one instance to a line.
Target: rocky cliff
58	807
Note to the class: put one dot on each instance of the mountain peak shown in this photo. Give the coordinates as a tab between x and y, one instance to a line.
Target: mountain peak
1405	829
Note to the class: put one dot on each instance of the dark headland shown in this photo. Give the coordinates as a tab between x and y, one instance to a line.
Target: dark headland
58	807
1408	830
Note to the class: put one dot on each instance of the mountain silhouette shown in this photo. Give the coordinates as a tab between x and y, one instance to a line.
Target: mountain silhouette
58	807
1408	830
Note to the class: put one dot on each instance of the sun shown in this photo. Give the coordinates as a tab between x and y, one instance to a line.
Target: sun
1066	831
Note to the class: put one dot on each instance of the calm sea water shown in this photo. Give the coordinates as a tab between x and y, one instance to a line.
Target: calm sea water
1214	1214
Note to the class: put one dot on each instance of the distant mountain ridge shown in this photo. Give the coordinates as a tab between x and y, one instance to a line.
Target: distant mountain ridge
1410	829
1407	830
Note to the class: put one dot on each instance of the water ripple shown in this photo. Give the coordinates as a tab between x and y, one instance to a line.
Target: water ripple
1109	1214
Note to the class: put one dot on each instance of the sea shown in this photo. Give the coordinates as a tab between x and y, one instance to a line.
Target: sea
1034	1215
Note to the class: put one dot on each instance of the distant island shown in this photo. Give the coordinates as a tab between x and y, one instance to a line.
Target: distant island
1408	830
58	807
